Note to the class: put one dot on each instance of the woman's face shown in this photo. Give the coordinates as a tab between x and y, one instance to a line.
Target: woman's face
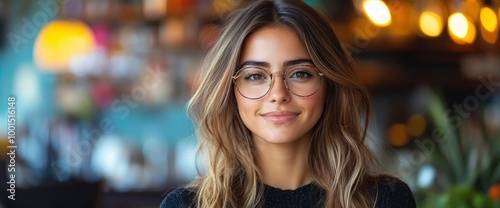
279	117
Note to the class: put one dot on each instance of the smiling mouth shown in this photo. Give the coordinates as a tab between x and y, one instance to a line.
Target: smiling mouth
279	117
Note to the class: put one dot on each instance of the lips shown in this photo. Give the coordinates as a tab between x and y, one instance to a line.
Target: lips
279	117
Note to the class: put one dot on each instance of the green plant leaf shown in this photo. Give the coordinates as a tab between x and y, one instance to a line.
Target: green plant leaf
449	148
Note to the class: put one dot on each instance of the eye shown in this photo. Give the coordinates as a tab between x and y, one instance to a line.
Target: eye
254	77
300	75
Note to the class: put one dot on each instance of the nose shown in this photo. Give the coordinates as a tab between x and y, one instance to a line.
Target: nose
278	91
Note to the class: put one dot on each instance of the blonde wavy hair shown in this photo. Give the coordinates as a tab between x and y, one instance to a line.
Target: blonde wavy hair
338	158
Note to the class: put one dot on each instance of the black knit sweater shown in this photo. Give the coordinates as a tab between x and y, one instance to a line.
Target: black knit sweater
390	193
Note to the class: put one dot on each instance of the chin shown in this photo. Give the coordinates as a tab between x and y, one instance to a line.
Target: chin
279	138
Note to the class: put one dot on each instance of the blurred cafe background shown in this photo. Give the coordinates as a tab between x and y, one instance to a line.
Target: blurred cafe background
100	89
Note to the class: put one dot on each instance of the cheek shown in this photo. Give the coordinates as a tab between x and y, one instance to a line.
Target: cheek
317	108
244	107
318	103
239	102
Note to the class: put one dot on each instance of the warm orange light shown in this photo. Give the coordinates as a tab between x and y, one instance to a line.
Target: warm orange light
461	29
488	19
401	27
431	23
398	135
470	36
416	125
494	192
458	25
60	41
377	12
490	37
489	24
471	9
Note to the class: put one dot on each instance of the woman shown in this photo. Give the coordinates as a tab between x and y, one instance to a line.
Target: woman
279	115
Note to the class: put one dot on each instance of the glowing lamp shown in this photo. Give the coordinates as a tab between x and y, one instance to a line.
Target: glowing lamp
488	19
431	23
470	37
398	135
458	25
489	24
60	41
377	12
461	29
416	125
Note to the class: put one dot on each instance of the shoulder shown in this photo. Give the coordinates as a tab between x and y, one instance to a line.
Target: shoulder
178	198
391	192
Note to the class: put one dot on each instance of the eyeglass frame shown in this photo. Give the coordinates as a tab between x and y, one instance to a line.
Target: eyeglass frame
283	73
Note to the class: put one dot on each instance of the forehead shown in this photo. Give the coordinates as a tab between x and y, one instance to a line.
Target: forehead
273	44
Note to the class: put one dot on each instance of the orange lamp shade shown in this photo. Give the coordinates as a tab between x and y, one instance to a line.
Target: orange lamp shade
61	40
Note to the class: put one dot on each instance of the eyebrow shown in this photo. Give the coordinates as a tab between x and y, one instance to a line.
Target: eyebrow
297	61
267	65
255	63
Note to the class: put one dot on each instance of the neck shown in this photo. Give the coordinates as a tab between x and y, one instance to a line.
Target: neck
284	166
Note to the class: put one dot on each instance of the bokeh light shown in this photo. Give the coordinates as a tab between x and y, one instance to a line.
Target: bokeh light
431	23
461	29
457	24
377	12
488	19
60	41
398	135
416	125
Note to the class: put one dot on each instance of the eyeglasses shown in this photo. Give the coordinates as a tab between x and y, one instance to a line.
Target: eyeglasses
253	82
